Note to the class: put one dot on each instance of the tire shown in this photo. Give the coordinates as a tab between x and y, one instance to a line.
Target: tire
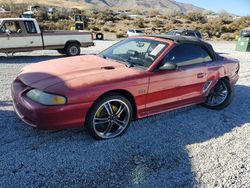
99	36
73	49
61	51
223	91
109	117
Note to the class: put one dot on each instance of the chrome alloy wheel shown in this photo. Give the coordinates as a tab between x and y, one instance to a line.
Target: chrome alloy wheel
111	119
217	95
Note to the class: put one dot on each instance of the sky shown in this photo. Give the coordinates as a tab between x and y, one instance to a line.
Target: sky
238	7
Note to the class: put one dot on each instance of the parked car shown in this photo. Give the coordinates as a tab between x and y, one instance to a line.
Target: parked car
24	34
135	32
185	32
135	78
245	32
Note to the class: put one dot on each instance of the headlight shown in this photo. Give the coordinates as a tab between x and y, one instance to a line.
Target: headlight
46	98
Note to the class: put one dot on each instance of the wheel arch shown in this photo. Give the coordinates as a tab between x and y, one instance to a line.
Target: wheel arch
72	41
123	93
225	77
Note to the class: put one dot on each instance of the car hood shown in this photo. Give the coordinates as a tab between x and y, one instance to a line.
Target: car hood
89	69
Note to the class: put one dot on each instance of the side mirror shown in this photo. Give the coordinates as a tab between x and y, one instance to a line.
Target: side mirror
168	66
7	31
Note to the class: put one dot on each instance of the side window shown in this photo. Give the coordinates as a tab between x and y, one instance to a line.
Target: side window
12	26
2	29
189	33
30	27
187	54
198	34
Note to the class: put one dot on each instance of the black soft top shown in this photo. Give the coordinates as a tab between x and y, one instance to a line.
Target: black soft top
182	30
190	40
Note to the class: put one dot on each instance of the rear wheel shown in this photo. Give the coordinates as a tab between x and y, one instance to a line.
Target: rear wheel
220	96
99	36
73	49
110	117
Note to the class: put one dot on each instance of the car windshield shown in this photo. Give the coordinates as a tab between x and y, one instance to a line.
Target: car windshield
135	52
170	33
178	33
139	31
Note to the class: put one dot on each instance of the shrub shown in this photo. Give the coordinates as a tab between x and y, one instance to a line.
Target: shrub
171	13
123	16
95	28
40	16
110	24
139	22
176	21
228	36
196	16
107	15
121	34
105	28
157	23
60	25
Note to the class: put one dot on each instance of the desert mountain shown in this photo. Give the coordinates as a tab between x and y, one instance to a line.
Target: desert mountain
163	5
144	4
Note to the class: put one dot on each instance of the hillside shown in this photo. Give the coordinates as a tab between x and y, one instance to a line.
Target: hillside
162	5
147	4
56	3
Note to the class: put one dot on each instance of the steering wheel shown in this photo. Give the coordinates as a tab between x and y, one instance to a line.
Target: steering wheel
133	53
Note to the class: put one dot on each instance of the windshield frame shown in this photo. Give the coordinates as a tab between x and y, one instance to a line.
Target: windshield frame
137	66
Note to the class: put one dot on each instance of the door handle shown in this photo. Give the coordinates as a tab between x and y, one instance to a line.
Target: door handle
201	75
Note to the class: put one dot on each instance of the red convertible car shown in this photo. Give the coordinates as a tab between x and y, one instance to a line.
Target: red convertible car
135	78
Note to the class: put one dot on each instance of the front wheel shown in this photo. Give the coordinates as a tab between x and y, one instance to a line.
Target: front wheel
220	96
73	49
110	117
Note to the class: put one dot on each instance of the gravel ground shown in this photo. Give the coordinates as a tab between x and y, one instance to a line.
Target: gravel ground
191	147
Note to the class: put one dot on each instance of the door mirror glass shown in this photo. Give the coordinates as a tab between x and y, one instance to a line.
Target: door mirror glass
168	66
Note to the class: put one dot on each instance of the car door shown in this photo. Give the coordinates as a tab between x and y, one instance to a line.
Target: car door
12	36
180	87
33	38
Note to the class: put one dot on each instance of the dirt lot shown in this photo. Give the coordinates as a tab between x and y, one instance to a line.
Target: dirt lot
185	148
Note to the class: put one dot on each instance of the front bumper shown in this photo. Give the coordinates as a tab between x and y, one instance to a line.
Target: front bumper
47	117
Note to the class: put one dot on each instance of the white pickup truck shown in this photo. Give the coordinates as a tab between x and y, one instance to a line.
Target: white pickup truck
22	34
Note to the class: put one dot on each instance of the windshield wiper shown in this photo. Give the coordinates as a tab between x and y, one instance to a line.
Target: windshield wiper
127	63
